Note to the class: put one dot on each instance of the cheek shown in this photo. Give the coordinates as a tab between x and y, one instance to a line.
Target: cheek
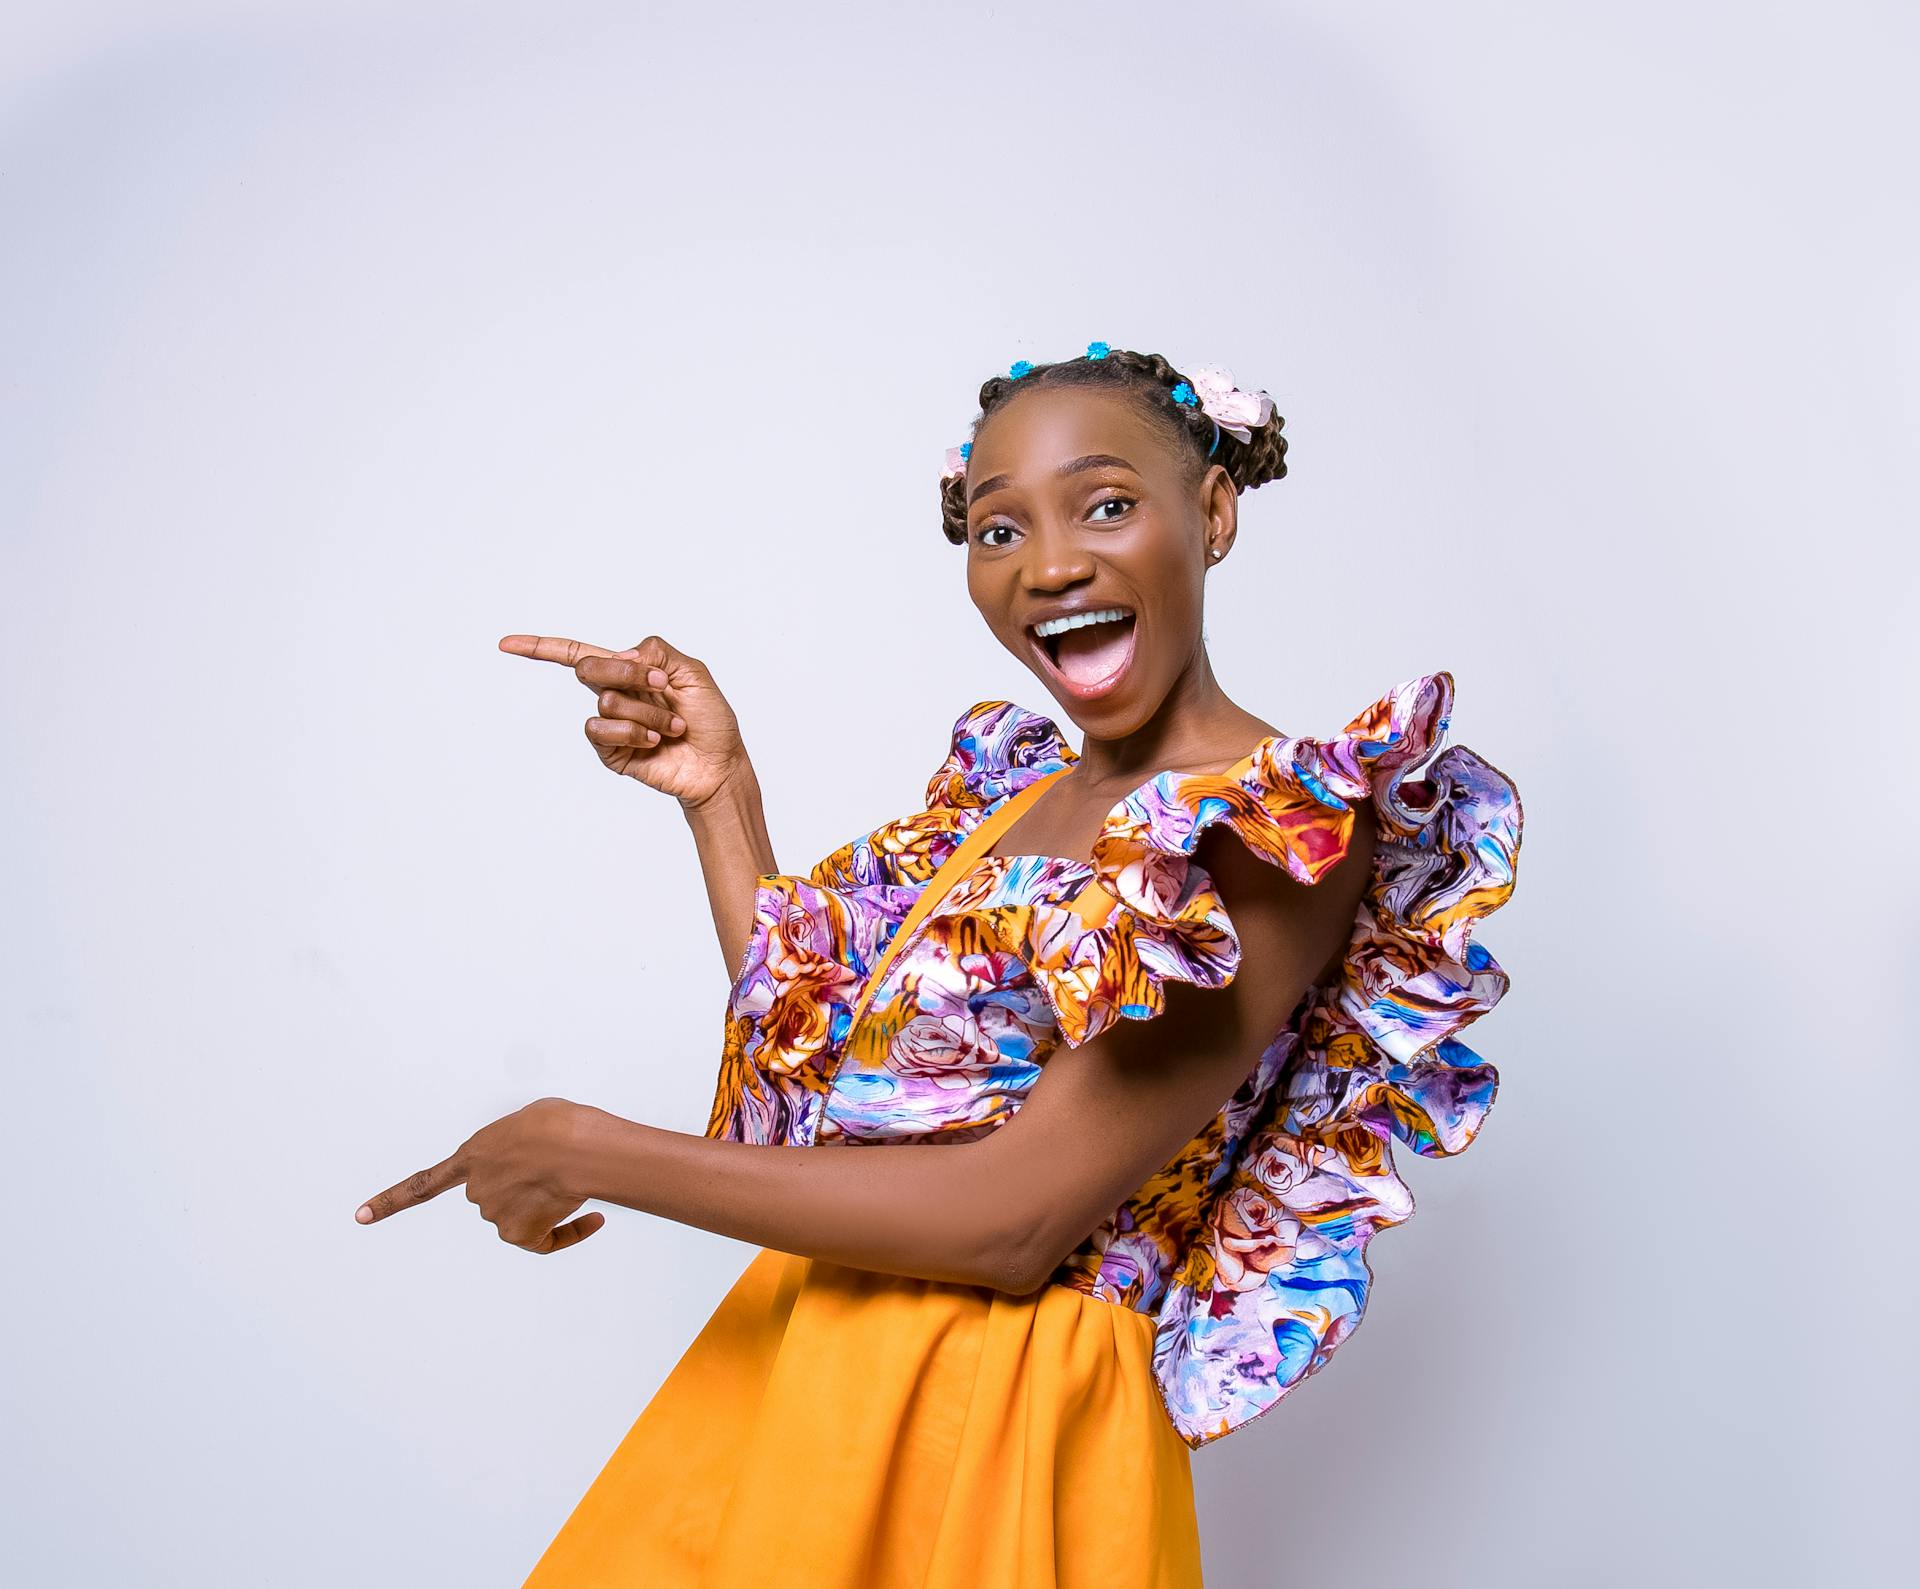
988	593
976	593
1179	594
993	593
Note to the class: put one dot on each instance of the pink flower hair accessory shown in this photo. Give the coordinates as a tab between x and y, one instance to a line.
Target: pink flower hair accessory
1234	411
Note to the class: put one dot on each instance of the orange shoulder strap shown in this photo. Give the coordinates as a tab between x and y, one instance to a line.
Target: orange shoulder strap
957	865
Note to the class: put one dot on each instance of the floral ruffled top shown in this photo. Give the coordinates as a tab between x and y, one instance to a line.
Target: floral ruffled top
1248	1249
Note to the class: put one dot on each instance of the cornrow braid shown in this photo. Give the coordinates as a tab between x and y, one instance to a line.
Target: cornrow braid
1149	379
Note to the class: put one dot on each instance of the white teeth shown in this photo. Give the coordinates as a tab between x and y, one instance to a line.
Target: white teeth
1079	620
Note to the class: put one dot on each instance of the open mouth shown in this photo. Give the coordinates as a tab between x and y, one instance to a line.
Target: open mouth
1088	658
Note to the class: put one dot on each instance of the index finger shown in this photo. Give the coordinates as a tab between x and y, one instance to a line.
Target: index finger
551	648
415	1189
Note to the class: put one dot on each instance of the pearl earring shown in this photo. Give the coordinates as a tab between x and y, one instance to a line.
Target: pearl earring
1214	553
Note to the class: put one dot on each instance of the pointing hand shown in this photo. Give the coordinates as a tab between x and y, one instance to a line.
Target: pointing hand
516	1170
660	717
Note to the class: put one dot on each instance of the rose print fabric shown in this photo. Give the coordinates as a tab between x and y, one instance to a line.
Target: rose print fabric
1248	1248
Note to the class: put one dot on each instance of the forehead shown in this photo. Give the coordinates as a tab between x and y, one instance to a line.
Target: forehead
1030	434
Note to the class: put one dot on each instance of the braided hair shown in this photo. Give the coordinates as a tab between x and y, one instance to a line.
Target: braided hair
1149	380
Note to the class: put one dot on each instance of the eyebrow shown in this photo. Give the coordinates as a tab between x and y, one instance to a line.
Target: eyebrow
1093	460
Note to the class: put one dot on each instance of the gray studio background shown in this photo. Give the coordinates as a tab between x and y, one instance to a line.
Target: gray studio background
340	340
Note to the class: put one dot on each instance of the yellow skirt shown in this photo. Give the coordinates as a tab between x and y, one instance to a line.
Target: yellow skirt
833	1427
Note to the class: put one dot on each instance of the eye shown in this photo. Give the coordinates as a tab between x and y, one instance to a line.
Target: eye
987	530
1110	502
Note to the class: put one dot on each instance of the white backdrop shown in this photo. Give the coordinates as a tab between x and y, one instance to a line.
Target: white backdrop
340	340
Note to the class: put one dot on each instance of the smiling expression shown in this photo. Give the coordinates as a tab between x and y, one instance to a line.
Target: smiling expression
1081	506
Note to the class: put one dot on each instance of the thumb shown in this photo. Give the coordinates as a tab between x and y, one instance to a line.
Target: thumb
676	667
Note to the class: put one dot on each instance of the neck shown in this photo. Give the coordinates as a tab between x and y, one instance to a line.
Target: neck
1196	728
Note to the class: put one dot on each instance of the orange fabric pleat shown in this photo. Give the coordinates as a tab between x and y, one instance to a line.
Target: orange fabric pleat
833	1427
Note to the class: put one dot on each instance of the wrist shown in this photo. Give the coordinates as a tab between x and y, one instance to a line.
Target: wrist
597	1144
737	791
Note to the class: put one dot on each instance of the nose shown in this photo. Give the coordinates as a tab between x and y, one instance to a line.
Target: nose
1055	559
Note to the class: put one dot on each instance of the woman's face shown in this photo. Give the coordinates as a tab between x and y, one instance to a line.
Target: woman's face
1078	503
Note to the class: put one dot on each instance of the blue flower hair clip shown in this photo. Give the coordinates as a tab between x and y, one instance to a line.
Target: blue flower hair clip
1183	393
1020	367
1098	350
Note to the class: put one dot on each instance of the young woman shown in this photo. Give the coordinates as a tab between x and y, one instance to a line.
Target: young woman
1137	1025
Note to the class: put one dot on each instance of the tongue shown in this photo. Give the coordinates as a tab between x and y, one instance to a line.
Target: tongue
1090	653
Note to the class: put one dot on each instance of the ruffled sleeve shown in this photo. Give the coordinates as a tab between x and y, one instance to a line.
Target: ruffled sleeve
815	937
1278	1277
1150	914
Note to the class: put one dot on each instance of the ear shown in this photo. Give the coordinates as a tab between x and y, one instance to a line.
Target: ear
1220	513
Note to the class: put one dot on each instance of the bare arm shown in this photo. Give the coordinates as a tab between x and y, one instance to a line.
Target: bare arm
730	834
1002	1210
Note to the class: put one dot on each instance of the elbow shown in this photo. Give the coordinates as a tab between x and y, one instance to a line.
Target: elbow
1017	1276
1020	1237
1021	1259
